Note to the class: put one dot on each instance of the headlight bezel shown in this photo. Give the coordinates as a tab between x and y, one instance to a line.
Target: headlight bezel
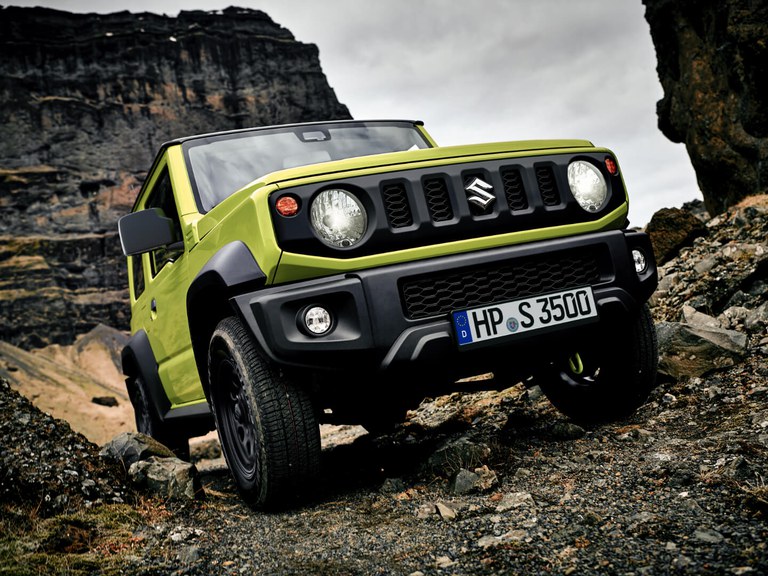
588	193
323	231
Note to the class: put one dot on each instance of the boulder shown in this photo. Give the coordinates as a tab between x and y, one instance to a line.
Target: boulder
131	447
456	454
757	319
468	482
152	467
697	319
464	482
671	229
688	350
166	478
109	401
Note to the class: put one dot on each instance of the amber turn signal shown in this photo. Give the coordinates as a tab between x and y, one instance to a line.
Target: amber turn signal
610	165
287	206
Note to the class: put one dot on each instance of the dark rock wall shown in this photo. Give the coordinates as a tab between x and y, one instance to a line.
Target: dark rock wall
85	102
713	64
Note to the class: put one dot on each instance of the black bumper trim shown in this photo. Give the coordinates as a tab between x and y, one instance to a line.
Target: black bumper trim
372	332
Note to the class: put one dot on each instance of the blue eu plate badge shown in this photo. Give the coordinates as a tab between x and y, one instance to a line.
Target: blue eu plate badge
463	332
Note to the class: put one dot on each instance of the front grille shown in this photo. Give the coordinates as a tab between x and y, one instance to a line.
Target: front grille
417	205
438	201
438	294
545	177
396	205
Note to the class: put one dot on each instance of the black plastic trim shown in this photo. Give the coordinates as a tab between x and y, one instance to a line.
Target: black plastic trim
200	411
272	316
233	265
372	332
233	269
138	359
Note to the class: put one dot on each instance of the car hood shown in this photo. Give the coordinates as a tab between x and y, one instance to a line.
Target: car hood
427	155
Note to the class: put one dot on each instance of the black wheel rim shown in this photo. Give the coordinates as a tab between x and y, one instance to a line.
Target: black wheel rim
237	423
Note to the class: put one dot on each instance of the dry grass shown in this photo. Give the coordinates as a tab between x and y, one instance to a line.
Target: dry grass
93	540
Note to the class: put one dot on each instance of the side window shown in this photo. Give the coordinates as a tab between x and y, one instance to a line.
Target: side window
138	276
162	197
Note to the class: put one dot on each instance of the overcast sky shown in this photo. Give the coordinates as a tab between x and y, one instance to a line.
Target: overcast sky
486	71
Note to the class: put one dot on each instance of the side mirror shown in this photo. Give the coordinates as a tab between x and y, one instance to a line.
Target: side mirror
144	231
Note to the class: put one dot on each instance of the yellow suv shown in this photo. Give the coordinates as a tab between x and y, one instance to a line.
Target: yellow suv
341	271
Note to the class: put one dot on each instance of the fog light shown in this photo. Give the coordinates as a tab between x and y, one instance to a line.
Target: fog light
641	264
317	320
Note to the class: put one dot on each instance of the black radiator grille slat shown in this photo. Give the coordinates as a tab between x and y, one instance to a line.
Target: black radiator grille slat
396	205
438	294
514	189
438	202
545	177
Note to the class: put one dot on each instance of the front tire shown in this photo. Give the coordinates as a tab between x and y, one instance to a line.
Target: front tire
608	375
266	424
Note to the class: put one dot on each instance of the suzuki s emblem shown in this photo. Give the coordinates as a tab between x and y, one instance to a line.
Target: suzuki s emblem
480	193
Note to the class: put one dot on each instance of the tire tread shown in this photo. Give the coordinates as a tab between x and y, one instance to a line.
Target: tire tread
287	425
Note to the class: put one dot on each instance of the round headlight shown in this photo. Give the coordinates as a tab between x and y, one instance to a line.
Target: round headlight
339	218
587	185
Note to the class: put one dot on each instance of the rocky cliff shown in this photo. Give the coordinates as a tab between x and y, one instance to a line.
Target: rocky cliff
85	101
712	63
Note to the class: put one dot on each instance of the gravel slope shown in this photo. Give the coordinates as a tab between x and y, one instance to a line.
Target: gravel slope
677	488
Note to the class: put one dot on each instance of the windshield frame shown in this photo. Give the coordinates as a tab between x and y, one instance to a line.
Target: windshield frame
192	142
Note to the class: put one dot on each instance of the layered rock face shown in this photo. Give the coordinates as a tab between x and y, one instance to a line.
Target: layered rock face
712	63
85	102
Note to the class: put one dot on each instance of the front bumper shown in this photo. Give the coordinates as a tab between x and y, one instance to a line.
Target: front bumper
398	317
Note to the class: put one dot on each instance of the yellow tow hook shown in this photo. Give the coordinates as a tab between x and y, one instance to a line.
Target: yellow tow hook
574	362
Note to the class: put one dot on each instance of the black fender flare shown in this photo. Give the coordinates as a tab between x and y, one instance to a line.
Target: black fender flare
231	271
138	359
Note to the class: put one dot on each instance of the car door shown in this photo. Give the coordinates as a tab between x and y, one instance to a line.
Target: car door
165	319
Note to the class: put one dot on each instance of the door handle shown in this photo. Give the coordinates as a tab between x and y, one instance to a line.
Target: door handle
153	309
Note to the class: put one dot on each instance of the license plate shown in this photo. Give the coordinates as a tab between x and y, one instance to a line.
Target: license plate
525	315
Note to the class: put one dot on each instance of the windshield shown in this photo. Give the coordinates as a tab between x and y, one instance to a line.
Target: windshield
223	163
